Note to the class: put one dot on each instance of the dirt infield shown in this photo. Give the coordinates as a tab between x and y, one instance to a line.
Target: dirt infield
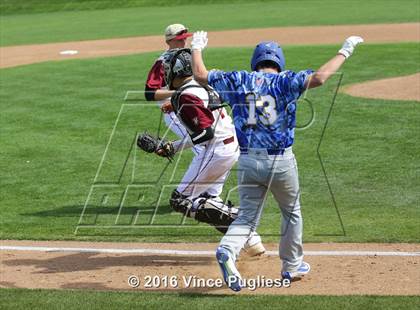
377	33
398	88
338	273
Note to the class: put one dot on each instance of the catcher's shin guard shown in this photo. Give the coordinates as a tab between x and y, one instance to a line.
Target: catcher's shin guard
205	210
180	203
213	212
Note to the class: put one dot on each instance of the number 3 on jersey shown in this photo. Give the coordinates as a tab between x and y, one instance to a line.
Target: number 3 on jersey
268	104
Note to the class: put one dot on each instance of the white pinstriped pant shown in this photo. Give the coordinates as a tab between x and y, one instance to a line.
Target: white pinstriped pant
195	172
209	169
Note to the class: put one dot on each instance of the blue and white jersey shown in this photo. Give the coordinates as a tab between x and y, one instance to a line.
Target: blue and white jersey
263	105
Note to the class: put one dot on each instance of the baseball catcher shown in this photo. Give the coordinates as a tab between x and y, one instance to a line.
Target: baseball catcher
209	126
156	89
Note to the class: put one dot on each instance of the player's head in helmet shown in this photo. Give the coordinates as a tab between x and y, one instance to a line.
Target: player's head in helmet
177	66
268	56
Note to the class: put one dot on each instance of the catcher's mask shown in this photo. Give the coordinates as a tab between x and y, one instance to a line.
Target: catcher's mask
177	63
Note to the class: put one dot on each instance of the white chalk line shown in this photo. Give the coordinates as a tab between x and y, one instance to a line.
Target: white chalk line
195	252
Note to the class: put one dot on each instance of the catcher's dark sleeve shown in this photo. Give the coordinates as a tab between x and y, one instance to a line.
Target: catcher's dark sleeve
155	80
149	93
202	136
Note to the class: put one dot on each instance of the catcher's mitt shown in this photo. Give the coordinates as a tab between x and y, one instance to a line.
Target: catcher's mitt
151	144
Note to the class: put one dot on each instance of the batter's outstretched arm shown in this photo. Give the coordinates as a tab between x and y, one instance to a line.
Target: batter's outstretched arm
332	66
198	43
199	69
319	77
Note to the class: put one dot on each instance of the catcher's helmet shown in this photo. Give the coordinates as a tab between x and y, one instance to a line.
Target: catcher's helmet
177	63
268	50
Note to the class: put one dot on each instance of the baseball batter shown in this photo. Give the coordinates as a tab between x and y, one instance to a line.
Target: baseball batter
263	104
156	90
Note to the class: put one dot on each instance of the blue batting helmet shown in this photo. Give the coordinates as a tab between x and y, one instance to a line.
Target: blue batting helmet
268	50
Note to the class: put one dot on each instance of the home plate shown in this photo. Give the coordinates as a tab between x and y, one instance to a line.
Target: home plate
69	52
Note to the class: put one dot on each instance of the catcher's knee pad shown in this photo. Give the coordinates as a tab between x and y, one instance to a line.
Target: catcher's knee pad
180	203
213	212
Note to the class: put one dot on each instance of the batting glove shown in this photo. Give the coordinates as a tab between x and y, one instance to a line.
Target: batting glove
349	44
199	40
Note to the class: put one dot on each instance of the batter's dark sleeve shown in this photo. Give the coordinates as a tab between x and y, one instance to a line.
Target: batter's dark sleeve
196	117
155	80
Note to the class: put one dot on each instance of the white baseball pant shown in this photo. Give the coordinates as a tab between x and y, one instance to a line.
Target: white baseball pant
213	189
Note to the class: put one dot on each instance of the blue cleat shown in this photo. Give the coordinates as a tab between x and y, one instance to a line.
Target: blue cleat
303	269
231	275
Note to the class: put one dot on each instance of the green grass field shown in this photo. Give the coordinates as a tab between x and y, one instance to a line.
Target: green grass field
57	117
53	299
64	26
54	135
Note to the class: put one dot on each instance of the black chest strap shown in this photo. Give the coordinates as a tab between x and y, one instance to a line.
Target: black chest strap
214	99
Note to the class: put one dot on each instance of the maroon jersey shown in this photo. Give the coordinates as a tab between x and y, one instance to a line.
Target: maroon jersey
155	79
193	110
193	113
